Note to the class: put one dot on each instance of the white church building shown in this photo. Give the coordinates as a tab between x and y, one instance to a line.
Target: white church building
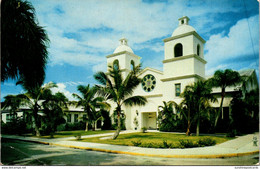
183	65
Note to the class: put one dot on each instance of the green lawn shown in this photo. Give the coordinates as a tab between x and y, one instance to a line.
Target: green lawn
62	134
153	138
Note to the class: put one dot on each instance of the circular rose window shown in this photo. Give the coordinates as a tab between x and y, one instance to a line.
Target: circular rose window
148	83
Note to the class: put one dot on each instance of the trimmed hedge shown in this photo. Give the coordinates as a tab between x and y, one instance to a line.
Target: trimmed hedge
183	143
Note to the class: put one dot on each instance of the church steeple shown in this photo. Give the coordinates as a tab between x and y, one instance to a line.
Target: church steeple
184	52
123	41
124	57
184	20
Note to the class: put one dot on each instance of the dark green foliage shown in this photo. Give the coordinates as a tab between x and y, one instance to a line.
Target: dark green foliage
115	120
224	79
136	143
24	43
119	90
16	126
78	137
75	126
245	118
185	143
165	144
150	145
167	127
206	142
168	120
232	133
53	108
61	127
90	102
107	120
195	104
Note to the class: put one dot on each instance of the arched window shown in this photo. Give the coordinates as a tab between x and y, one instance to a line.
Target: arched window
178	51
116	64
198	49
132	65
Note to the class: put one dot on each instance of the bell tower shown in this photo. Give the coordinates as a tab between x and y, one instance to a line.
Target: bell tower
123	57
184	61
184	52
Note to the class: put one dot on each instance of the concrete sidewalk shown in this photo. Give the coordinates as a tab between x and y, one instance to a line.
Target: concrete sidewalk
240	146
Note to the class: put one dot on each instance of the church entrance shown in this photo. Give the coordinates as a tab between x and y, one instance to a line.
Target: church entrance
149	120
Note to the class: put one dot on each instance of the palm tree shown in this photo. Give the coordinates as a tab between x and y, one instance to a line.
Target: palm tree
24	43
197	98
223	79
166	116
54	106
120	90
187	106
203	97
13	103
90	102
33	99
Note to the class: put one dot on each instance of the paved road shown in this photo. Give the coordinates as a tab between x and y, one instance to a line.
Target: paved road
23	153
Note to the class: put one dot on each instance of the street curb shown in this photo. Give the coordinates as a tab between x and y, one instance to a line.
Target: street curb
142	154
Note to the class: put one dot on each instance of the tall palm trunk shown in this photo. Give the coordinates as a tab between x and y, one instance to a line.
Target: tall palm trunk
118	124
35	122
93	125
86	126
220	108
198	125
189	124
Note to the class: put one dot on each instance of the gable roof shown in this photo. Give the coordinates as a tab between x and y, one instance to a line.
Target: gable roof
151	69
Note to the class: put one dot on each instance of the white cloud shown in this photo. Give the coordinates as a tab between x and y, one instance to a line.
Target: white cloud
236	45
135	20
71	83
96	26
62	88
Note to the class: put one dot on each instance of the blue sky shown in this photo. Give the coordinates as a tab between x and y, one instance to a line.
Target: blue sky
83	32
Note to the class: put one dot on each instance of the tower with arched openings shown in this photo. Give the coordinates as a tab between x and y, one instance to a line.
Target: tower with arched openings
184	61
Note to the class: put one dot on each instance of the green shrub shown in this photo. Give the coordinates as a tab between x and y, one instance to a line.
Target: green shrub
150	145
232	133
187	143
17	126
75	126
144	129
206	142
61	127
136	143
165	144
78	137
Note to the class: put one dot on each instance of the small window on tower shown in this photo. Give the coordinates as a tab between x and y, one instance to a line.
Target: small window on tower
177	89
178	50
116	64
198	49
182	22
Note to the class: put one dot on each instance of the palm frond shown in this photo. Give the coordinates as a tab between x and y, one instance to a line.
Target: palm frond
135	100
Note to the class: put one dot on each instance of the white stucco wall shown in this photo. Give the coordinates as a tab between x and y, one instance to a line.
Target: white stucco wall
169	89
177	68
187	46
196	41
